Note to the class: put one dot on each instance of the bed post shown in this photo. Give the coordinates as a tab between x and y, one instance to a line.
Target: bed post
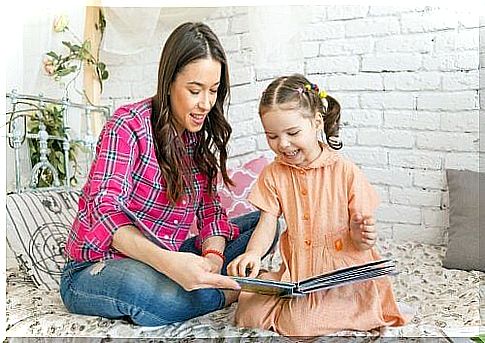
93	33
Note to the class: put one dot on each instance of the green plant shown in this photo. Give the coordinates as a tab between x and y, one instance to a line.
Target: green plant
479	338
52	118
59	65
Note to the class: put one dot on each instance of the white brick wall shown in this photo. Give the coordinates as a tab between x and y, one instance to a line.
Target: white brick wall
408	82
482	91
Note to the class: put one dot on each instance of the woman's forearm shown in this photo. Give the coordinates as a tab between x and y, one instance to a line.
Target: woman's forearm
214	243
188	270
132	243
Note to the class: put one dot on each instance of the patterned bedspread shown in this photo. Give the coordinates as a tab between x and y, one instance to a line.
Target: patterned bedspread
446	302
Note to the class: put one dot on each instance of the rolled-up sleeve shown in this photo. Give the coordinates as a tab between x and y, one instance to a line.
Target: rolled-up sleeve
212	219
111	183
263	194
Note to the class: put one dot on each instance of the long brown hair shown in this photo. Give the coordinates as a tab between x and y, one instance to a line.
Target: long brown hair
292	91
186	44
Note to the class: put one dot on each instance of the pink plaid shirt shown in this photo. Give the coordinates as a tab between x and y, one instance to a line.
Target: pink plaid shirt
126	171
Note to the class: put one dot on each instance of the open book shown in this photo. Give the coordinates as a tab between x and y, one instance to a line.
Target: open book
337	278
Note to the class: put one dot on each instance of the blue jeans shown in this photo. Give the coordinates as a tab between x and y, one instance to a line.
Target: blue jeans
131	290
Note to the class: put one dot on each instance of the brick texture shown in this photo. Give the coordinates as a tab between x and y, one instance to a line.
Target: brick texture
408	82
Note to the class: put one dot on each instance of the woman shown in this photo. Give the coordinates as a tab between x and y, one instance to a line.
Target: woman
160	158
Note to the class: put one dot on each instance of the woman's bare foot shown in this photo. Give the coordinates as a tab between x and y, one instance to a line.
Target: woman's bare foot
230	296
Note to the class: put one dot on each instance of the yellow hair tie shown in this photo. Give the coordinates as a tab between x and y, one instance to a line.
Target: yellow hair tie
322	94
308	87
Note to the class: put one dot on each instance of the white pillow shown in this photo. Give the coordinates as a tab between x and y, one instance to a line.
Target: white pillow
37	227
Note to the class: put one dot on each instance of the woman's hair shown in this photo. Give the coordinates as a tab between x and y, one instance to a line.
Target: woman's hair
296	92
188	43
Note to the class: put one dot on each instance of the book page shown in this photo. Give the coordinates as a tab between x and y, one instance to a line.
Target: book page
267	287
337	278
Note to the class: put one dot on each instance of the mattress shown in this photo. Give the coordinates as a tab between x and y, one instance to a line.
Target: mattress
446	304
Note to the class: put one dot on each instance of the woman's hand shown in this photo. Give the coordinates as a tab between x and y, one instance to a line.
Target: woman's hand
362	231
188	270
193	272
215	262
247	261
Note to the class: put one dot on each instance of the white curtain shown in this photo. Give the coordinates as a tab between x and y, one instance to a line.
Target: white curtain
130	30
275	33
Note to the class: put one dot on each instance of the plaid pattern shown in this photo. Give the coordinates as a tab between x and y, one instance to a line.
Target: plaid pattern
126	171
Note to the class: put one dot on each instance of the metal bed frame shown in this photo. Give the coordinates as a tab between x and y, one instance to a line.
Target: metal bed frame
20	107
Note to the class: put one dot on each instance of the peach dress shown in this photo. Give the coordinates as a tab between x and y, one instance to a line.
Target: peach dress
317	202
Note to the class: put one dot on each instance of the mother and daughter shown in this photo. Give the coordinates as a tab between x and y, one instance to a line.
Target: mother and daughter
160	158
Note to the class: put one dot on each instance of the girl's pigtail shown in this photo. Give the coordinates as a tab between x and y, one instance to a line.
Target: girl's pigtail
331	120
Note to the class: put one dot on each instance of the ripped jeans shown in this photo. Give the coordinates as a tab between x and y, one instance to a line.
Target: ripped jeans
131	290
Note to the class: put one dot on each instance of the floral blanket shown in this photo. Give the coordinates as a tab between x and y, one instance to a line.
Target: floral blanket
446	303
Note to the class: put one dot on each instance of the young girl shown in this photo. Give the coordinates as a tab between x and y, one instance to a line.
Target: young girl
328	207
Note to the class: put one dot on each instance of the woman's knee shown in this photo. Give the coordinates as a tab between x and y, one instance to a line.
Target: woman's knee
174	304
247	222
132	290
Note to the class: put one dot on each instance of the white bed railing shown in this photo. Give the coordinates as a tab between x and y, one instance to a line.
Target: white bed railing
20	108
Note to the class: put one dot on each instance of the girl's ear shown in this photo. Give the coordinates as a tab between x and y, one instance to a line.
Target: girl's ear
318	121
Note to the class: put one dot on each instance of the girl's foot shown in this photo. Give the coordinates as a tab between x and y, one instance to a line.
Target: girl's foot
230	296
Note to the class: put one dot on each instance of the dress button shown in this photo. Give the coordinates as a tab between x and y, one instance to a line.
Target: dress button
304	192
184	202
339	244
175	221
308	242
306	216
302	172
166	237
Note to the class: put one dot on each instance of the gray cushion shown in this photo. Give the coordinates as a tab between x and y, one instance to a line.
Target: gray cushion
466	232
37	227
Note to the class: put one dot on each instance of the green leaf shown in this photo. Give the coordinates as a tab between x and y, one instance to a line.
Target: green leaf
60	168
68	44
67	71
85	55
87	45
72	47
60	155
479	338
33	126
104	75
63	72
101	66
53	55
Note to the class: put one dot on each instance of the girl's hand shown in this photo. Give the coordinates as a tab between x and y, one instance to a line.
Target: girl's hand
362	231
248	261
193	272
